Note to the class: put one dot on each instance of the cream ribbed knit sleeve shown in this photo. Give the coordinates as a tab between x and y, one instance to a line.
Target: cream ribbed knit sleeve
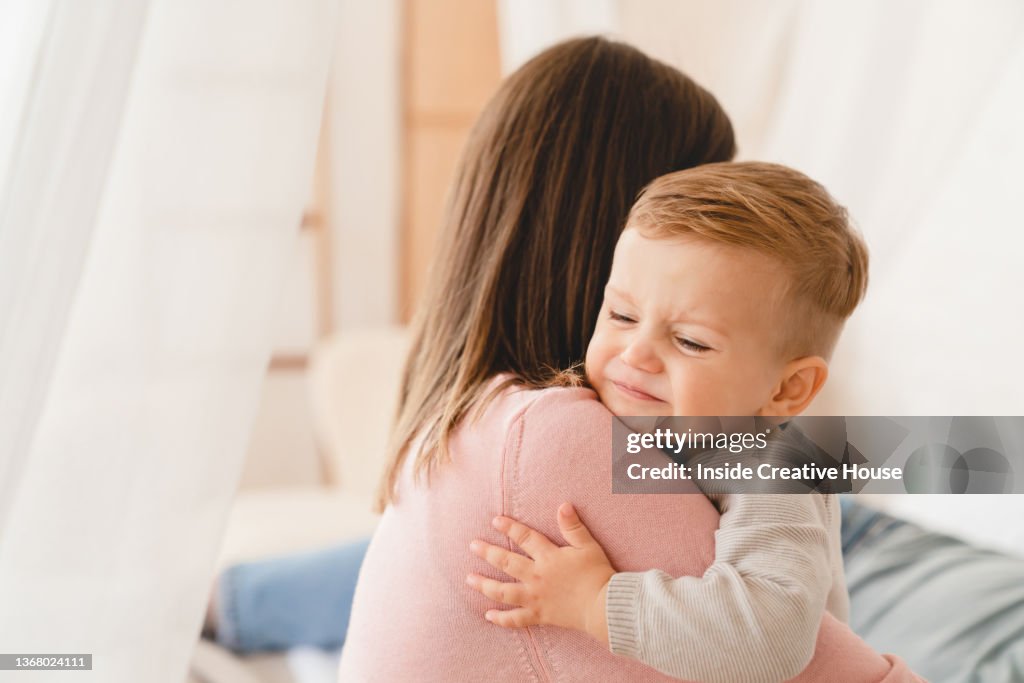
754	615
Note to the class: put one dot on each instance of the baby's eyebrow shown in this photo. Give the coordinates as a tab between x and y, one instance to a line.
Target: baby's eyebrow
608	289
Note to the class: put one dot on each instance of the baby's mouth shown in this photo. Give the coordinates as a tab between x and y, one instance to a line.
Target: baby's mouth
634	392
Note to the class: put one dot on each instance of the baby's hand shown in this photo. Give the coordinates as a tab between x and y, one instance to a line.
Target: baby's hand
559	586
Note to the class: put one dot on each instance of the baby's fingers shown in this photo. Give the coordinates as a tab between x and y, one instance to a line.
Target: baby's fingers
513	564
508	593
512	618
572	528
530	540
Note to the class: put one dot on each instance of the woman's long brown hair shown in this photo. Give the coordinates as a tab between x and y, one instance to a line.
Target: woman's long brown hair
540	196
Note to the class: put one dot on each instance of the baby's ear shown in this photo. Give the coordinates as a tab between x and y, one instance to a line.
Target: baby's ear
800	382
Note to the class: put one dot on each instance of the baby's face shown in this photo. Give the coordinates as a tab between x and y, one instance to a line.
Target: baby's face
688	327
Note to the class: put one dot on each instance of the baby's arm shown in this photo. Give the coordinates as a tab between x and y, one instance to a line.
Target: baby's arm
753	616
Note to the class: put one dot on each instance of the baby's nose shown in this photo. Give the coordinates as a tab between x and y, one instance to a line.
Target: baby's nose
642	355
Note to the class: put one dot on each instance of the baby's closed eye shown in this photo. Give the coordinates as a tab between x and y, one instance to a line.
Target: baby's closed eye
691	345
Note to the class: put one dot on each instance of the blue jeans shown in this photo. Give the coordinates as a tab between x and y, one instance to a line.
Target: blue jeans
863	526
953	611
301	599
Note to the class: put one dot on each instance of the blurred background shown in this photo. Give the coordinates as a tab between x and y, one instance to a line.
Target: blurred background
218	217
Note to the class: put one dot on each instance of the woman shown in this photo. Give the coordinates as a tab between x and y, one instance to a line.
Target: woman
546	181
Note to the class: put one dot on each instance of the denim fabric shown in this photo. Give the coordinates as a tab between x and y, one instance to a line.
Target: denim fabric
954	612
300	599
862	524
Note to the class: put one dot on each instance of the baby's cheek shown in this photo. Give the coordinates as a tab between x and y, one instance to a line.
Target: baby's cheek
596	380
606	394
589	371
595	362
695	395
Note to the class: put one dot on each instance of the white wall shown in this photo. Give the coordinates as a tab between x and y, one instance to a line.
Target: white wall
364	164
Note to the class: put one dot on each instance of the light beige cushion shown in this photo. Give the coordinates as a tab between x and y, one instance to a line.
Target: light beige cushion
354	380
263	523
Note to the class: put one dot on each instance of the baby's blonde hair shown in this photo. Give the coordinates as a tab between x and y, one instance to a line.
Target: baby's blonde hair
781	213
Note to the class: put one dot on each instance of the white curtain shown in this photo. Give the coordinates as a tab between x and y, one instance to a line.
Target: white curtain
155	158
66	71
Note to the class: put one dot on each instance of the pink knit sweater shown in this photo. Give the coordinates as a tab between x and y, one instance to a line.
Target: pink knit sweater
415	619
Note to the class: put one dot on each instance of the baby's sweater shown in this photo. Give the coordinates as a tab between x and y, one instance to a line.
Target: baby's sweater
413	617
778	565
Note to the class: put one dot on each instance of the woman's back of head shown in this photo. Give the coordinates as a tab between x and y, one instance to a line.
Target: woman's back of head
541	194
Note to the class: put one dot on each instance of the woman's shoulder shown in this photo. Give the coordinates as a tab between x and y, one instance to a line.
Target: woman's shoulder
548	405
533	419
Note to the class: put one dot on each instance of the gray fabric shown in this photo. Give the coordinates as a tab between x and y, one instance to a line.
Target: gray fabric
954	612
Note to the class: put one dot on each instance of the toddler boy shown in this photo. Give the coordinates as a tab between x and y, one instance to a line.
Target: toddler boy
728	291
